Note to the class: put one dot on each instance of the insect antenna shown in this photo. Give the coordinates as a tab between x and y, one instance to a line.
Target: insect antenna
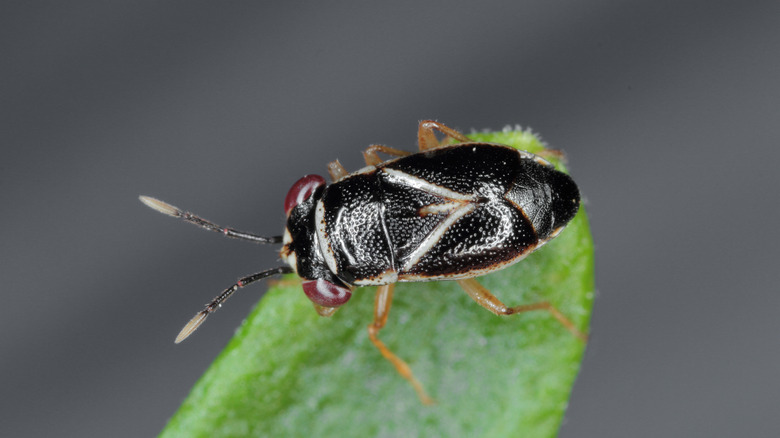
170	210
212	307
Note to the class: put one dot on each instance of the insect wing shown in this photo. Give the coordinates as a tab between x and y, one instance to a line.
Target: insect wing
464	225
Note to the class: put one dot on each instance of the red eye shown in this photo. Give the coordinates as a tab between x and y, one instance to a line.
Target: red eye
325	293
301	191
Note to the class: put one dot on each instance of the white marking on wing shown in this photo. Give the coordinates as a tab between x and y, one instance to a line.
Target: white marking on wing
433	238
386	277
468	274
404	178
445	208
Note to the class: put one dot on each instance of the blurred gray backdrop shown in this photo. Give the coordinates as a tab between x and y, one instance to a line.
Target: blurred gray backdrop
669	112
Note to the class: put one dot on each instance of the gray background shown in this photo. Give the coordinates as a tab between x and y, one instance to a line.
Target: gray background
668	112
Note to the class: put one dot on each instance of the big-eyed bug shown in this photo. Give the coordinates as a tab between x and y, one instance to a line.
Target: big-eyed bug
455	210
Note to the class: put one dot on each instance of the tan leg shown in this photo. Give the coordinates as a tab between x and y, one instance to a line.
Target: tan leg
336	170
325	311
371	153
484	298
426	138
384	298
284	282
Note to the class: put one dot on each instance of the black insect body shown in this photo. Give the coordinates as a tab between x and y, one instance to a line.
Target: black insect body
449	212
455	212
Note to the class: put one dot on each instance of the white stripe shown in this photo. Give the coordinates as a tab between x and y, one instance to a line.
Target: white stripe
433	238
469	274
447	208
404	178
386	277
322	237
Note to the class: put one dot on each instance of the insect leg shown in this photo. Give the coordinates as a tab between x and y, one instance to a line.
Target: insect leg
336	170
384	298
484	298
325	311
371	154
212	307
170	210
426	138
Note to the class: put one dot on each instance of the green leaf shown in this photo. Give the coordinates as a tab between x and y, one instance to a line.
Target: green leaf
289	372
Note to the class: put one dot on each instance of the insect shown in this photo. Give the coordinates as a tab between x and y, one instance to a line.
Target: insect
455	210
